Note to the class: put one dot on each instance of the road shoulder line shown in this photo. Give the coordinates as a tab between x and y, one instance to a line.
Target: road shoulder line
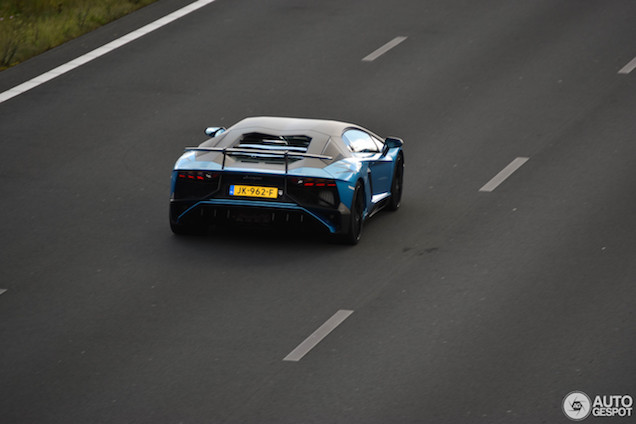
100	51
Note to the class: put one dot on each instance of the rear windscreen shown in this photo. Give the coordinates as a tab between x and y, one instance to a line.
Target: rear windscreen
295	143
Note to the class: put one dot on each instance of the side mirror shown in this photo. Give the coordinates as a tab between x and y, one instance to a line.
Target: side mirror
391	143
214	131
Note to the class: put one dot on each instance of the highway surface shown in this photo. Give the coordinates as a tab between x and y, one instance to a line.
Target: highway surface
486	298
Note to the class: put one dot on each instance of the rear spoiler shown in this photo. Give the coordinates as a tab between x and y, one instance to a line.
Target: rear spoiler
277	153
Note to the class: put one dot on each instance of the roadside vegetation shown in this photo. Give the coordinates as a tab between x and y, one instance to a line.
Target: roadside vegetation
30	27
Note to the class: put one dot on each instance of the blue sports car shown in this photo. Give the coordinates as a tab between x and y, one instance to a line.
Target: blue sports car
287	171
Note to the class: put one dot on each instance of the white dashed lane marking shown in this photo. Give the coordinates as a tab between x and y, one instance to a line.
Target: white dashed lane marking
317	336
385	48
629	67
504	174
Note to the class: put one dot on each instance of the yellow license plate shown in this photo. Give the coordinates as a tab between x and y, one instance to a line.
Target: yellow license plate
254	191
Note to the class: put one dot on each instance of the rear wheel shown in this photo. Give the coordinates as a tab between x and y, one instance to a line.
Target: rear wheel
356	218
397	184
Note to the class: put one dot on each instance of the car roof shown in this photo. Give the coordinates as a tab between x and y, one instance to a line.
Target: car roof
323	132
285	125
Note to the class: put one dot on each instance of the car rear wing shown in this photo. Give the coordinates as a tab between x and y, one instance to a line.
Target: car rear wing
286	154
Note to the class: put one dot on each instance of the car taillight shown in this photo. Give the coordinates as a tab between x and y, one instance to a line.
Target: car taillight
205	176
195	184
314	191
314	182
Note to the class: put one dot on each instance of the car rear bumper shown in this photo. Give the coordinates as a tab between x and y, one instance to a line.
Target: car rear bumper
255	212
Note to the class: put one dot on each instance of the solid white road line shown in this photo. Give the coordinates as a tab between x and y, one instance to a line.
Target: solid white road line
385	48
317	336
629	67
504	174
2	291
60	70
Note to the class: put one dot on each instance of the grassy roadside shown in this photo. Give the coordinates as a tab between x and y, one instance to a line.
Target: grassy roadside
30	27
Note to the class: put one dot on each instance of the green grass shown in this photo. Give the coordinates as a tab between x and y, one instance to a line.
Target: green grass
30	27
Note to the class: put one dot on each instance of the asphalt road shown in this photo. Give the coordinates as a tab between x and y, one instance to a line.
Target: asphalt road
468	306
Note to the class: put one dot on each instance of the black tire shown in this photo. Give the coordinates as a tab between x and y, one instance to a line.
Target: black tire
356	219
397	185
